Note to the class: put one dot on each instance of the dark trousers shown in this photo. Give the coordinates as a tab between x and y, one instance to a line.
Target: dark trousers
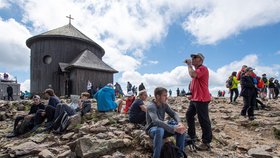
86	108
201	109
276	91
10	97
259	102
235	91
18	118
60	108
249	103
139	119
50	112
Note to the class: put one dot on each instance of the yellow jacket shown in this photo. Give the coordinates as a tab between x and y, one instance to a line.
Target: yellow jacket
235	82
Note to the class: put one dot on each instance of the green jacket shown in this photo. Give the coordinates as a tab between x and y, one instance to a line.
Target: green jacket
235	83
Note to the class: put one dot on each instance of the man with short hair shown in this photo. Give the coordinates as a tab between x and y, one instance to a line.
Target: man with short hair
137	111
30	116
157	128
200	99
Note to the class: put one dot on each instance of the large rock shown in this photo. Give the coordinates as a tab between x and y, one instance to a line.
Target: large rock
84	147
46	154
2	116
75	120
26	148
20	107
259	153
276	131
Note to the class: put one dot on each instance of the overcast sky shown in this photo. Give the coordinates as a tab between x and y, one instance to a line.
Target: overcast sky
148	40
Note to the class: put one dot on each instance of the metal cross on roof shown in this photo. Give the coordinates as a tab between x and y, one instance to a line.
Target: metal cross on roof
70	18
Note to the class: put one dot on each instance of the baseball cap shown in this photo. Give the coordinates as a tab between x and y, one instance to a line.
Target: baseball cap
198	55
36	97
129	94
249	69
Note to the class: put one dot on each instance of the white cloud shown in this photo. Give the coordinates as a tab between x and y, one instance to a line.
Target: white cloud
4	4
153	62
179	77
14	53
125	29
222	19
25	86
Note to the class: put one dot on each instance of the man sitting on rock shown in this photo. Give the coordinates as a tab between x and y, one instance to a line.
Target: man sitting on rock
106	99
137	112
29	117
157	128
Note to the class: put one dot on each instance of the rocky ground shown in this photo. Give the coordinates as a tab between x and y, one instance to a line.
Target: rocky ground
110	135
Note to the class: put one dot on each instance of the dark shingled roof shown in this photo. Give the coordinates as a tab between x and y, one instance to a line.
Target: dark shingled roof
68	31
89	60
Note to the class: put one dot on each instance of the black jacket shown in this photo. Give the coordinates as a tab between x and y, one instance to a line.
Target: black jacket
248	86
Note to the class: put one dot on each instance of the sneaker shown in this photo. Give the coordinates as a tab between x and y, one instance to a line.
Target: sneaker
251	118
203	147
11	135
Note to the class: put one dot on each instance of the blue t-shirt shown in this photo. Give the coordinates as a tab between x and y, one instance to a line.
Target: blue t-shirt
53	101
135	113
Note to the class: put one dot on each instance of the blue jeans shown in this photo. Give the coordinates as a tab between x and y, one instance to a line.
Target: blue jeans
158	133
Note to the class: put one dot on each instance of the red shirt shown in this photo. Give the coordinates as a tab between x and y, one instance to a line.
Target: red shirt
199	85
128	103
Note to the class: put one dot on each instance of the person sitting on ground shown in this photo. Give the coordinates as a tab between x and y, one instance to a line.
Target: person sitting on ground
49	110
106	99
137	111
129	100
30	116
157	129
83	105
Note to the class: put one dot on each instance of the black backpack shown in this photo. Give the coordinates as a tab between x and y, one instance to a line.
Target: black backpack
61	123
229	82
24	127
169	150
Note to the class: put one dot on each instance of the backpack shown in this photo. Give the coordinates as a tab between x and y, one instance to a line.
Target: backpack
24	127
61	123
169	150
229	82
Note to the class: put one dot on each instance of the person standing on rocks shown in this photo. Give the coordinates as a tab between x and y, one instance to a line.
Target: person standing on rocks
249	94
141	87
10	93
234	88
200	99
157	129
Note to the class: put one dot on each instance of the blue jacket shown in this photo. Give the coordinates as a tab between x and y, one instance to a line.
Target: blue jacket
105	99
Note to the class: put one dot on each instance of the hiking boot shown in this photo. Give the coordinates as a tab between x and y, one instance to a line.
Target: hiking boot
11	135
203	147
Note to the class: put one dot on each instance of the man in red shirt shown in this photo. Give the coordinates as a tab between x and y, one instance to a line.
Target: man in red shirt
199	100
